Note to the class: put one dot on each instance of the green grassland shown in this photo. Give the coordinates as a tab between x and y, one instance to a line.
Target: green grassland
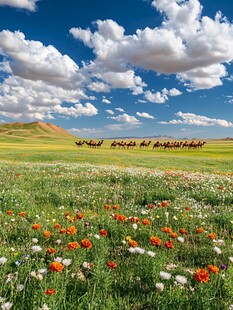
216	156
134	195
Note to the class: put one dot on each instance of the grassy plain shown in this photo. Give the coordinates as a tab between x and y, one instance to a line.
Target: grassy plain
216	156
116	229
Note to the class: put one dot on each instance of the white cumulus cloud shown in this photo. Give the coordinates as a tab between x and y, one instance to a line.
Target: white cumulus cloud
32	60
199	120
20	4
106	101
144	115
187	44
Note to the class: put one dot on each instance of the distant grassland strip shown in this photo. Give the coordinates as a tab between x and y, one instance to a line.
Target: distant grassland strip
215	157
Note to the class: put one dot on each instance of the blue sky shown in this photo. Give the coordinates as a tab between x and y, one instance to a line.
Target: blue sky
119	68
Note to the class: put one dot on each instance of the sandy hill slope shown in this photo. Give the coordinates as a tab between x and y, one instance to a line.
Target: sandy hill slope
33	130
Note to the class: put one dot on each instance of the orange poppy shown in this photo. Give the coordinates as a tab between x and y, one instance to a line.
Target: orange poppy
107	207
57	226
116	207
201	275
122	218
212	236
155	241
86	243
22	214
103	232
200	230
167	230
146	222
79	215
173	235
50	291
56	267
183	231
63	231
72	245
151	206
51	251
9	212
169	244
134	219
111	265
47	233
71	230
213	269
36	226
133	243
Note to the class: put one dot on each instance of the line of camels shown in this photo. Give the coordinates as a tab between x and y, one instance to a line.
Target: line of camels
145	144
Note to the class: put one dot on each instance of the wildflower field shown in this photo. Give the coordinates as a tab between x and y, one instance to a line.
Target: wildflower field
82	236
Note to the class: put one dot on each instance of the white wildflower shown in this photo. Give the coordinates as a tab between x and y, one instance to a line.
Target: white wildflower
151	254
97	236
43	271
58	259
33	274
165	275
20	287
6	305
58	241
135	226
219	242
3	260
159	286
34	240
140	250
231	259
217	250
132	250
181	239
44	307
67	262
36	248
181	280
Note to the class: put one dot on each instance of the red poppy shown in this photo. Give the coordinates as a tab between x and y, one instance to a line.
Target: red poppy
111	265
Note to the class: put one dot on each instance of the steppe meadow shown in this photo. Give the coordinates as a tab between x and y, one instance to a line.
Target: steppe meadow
116	155
88	228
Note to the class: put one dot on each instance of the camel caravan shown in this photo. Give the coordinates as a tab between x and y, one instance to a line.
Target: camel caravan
91	143
169	145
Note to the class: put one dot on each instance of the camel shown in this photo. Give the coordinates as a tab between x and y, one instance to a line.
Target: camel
98	145
131	144
113	144
80	143
157	144
145	144
121	144
91	143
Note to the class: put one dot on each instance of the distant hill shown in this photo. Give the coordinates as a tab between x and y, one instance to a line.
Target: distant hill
33	130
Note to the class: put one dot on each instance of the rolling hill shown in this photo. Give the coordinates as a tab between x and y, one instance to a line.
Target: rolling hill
34	130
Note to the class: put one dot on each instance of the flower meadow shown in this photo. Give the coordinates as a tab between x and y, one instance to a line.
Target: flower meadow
76	236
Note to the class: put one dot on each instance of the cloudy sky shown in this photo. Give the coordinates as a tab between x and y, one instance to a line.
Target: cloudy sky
119	68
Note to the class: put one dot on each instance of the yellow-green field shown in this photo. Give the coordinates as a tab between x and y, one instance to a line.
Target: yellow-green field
216	156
